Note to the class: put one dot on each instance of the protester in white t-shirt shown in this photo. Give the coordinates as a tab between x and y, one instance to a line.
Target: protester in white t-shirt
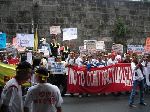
138	80
43	97
118	57
81	61
11	97
70	61
146	69
111	60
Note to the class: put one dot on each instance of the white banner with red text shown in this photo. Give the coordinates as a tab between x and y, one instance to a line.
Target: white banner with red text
115	78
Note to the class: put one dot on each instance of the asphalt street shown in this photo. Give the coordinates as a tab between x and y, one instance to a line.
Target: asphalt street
103	103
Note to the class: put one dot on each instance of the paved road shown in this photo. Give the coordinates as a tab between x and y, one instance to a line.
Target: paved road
103	103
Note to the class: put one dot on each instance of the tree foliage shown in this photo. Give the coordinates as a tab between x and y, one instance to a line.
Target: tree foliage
120	31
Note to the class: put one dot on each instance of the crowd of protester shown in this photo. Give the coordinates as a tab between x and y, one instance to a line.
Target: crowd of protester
64	57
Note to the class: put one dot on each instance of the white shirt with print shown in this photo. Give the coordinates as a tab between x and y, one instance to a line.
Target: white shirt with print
43	98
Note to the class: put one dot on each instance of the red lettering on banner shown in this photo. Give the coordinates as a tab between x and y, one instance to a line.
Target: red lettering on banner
88	78
105	78
118	75
81	78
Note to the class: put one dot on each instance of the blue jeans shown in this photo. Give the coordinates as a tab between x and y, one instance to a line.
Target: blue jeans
133	92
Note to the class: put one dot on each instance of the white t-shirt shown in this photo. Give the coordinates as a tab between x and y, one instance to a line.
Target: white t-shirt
118	57
137	73
43	98
70	61
78	61
111	62
12	96
146	72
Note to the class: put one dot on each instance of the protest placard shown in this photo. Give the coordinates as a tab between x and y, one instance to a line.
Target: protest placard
138	49
55	30
25	40
100	45
69	33
90	46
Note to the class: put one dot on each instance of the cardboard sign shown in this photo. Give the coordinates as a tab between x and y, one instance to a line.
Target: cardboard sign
55	30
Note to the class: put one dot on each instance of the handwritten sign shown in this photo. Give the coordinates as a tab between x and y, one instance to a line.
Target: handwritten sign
25	40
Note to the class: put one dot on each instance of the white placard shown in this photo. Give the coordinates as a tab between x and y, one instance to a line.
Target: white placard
100	45
55	30
25	40
90	45
69	33
29	57
117	48
45	51
58	68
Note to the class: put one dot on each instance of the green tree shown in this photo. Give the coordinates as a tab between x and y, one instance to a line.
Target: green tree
120	31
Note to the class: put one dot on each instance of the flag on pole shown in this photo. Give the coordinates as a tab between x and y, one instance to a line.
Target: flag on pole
36	40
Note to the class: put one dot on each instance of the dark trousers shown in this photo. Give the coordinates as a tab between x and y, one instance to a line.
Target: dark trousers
61	80
141	87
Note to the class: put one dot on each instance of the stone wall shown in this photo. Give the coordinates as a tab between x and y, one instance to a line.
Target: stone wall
94	19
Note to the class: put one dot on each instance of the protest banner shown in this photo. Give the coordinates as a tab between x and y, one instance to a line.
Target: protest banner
25	40
2	40
138	49
69	33
6	72
55	30
115	78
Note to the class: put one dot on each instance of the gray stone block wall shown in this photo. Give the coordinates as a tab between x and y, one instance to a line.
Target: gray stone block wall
94	19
